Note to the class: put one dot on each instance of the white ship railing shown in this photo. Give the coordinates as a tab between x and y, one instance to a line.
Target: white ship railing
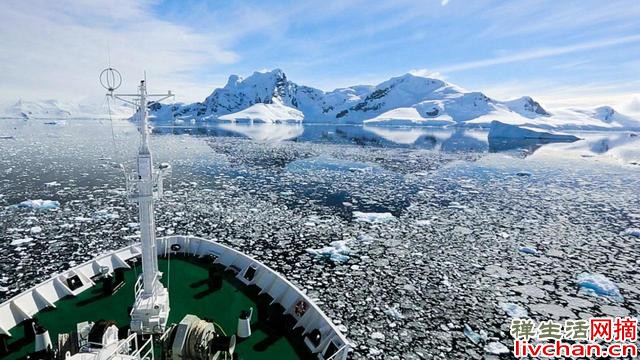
44	295
281	290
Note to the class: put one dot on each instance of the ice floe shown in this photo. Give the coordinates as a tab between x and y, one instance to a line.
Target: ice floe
472	335
105	215
372	217
17	242
514	310
599	285
631	232
337	251
528	250
38	204
496	348
35	230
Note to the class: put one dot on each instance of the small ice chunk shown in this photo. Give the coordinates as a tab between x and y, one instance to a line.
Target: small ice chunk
445	281
337	251
528	250
394	311
472	335
366	239
35	230
105	215
514	310
496	348
631	232
377	335
423	222
599	285
373	217
38	204
52	184
21	241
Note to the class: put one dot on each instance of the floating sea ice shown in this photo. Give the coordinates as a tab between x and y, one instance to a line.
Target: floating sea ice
35	230
599	285
514	310
51	184
366	239
423	222
105	215
373	217
496	348
38	204
528	250
472	335
21	241
445	281
632	232
394	311
337	251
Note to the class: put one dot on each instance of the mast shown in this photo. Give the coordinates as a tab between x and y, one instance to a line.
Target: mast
144	182
150	310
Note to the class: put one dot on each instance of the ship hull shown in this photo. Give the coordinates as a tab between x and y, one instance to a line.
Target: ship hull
204	278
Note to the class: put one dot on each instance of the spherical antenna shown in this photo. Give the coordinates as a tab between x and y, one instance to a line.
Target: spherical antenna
110	79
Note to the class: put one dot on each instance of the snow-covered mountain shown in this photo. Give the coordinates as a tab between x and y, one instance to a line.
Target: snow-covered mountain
54	109
410	99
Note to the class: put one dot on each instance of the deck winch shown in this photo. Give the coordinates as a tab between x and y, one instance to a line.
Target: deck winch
196	339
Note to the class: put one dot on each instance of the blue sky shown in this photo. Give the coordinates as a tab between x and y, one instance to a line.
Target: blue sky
562	52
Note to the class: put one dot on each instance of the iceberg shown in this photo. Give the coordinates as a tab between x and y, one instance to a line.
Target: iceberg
599	285
507	131
38	204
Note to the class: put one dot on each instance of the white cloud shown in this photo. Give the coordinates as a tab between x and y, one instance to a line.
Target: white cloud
444	2
540	53
55	49
427	73
553	94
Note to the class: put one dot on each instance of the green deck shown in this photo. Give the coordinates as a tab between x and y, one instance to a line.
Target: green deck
189	294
